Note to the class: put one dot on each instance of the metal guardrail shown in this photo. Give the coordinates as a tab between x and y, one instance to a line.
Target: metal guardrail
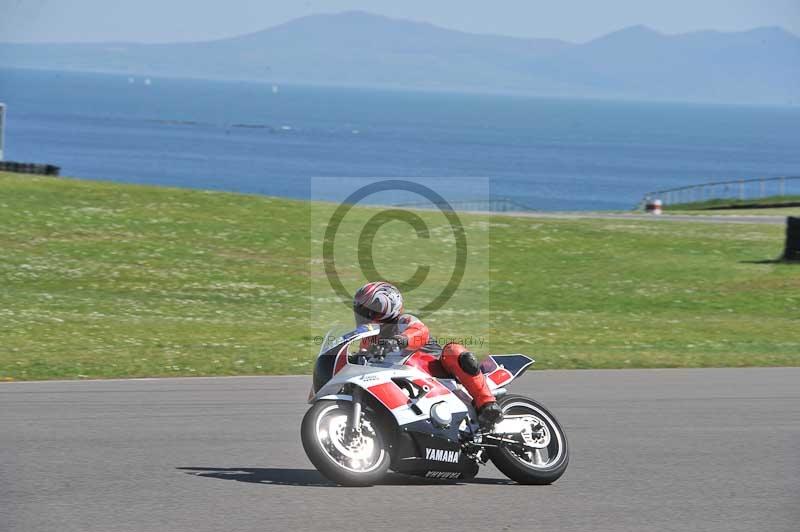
490	205
740	189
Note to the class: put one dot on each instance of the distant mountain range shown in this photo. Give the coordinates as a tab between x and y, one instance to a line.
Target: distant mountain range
355	48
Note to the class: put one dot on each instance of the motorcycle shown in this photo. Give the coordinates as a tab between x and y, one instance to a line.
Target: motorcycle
374	410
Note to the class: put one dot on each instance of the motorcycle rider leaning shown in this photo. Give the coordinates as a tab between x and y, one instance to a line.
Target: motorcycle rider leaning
381	302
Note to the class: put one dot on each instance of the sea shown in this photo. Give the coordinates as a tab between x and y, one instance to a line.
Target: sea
275	139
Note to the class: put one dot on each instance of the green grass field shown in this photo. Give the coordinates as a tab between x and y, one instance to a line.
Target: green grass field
106	280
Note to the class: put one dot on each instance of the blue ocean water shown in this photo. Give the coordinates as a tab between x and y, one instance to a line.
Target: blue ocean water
546	153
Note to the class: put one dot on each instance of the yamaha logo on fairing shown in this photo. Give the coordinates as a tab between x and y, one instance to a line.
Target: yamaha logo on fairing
441	455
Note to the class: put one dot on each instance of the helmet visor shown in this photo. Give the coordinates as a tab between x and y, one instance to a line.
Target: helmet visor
362	314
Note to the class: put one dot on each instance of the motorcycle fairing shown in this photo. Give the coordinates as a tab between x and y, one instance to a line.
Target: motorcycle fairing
418	451
333	354
379	382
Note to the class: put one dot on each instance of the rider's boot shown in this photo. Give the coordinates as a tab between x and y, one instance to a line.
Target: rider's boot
489	414
463	365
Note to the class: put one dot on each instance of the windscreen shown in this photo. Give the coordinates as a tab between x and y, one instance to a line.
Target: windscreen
341	333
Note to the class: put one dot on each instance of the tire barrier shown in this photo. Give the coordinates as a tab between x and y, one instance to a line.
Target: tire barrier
29	168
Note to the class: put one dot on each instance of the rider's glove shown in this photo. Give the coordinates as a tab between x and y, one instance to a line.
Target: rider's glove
388	344
402	340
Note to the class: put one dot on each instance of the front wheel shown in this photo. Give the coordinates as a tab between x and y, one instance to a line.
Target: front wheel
545	457
341	456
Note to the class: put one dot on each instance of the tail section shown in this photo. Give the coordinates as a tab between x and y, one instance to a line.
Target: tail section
502	369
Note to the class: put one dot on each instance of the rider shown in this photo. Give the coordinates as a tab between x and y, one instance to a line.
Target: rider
381	302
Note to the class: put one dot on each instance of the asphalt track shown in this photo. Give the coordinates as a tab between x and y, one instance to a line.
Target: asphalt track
683	450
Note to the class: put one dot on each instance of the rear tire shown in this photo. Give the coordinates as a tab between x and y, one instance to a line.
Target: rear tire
531	467
351	462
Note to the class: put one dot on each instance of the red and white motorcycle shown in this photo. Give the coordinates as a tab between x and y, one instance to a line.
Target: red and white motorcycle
376	411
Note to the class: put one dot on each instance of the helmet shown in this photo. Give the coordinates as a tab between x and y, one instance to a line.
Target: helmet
379	302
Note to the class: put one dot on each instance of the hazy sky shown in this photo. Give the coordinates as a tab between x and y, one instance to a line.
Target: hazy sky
189	20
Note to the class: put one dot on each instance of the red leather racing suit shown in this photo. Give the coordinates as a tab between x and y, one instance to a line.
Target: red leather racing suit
455	361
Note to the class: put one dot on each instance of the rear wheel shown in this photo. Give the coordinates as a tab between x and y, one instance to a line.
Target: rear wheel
340	455
545	456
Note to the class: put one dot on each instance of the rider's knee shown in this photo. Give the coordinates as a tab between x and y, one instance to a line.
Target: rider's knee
469	363
453	354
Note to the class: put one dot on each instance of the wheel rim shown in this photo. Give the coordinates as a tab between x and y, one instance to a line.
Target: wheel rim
360	453
545	443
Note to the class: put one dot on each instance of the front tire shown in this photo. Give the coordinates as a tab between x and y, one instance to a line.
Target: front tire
360	460
544	464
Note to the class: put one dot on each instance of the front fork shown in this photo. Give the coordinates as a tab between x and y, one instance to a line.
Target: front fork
355	415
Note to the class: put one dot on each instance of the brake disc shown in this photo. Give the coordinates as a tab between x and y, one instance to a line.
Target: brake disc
536	434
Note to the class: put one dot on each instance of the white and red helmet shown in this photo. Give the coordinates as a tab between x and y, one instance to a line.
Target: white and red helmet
377	302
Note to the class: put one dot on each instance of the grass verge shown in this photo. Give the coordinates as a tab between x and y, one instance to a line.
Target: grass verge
107	280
